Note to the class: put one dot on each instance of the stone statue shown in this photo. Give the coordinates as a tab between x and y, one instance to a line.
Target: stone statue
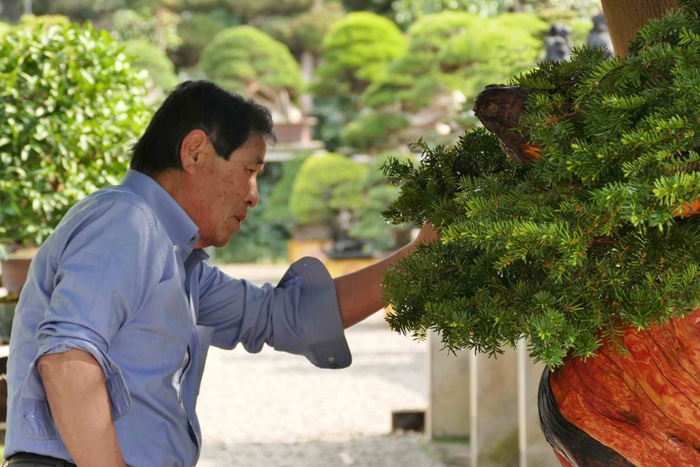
599	35
558	43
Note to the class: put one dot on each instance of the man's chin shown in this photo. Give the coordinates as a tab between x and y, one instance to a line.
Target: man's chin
223	243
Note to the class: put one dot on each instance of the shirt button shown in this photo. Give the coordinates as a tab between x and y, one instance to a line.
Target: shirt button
331	359
176	248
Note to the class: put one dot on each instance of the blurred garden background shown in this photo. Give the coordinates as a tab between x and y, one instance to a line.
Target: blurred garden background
350	83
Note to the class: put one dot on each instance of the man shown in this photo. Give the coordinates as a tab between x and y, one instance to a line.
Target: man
112	328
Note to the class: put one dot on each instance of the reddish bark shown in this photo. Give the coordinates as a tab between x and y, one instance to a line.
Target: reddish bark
645	405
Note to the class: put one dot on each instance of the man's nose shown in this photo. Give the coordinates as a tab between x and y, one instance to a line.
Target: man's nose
253	197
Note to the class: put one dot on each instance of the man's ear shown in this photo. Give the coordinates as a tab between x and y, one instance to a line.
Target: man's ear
191	148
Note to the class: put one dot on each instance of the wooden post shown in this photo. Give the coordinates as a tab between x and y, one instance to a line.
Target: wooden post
625	18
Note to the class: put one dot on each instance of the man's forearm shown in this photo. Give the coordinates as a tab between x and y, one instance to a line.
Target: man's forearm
77	394
360	293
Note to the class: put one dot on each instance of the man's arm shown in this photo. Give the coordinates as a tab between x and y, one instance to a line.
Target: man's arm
77	394
360	293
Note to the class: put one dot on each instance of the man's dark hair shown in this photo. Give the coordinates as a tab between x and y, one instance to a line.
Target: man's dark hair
227	118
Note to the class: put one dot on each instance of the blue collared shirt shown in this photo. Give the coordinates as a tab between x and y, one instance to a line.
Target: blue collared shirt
120	279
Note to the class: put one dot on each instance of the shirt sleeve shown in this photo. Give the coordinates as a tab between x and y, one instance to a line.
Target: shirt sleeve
300	315
106	263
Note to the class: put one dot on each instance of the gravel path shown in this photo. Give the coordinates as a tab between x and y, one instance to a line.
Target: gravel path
278	410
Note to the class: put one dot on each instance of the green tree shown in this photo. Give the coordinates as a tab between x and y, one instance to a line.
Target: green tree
406	12
451	56
196	30
458	51
248	61
145	55
380	7
372	130
247	10
304	31
277	210
379	193
327	185
159	27
356	52
196	5
72	107
77	10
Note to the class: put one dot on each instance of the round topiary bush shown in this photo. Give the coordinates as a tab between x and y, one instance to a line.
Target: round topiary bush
72	106
147	56
245	60
326	184
356	52
460	51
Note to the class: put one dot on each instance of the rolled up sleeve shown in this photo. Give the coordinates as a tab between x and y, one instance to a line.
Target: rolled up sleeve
105	267
300	315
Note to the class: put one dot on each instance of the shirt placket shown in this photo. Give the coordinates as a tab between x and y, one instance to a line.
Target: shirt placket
185	371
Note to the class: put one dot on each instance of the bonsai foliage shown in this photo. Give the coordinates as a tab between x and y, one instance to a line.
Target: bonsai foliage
302	32
77	10
325	185
158	27
595	235
408	11
196	30
249	62
147	56
71	108
372	130
451	56
458	51
356	52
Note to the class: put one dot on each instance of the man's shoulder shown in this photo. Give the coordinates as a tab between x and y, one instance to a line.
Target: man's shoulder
112	205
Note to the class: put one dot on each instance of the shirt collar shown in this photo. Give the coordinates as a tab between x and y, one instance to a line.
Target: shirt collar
183	232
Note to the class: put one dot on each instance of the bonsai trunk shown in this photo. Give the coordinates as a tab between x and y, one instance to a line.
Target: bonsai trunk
625	18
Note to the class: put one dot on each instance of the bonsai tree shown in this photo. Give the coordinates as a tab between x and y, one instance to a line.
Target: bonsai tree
72	106
573	224
249	62
356	52
406	12
327	191
303	32
145	55
158	26
451	56
196	30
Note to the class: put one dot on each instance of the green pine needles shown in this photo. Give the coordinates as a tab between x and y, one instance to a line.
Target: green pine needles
587	240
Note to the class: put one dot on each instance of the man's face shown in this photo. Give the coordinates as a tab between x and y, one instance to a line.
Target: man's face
225	190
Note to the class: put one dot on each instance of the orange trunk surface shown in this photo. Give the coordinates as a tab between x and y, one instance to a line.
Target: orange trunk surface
645	404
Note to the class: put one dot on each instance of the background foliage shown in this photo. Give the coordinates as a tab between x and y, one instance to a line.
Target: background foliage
249	62
356	52
71	108
326	184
